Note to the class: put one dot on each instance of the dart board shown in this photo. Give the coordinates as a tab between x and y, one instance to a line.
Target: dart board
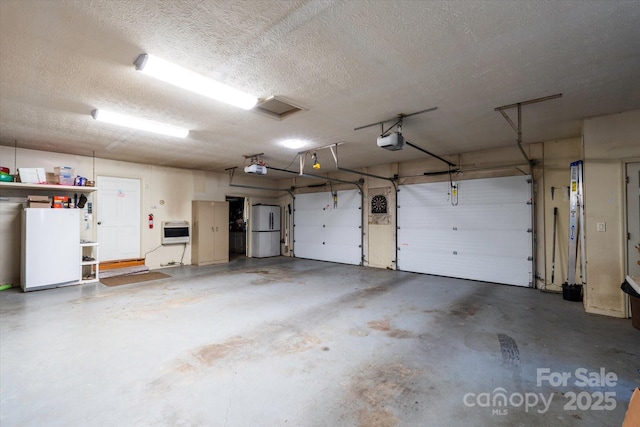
379	204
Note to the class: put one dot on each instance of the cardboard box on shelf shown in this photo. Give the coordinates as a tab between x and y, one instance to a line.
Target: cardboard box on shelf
39	205
52	178
38	201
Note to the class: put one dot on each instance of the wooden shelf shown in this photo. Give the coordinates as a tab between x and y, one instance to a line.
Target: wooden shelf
47	187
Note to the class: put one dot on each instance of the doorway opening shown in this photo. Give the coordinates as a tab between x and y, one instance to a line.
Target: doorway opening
237	227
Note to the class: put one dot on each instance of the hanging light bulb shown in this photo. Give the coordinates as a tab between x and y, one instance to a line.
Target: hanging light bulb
316	165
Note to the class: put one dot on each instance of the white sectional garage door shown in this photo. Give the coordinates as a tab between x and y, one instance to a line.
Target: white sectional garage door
327	233
486	236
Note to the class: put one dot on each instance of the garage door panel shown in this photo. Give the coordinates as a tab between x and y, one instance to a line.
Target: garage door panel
349	200
313	201
307	233
474	242
494	191
326	232
426	240
436	217
490	217
421	196
307	217
511	244
343	218
484	237
507	216
486	269
341	253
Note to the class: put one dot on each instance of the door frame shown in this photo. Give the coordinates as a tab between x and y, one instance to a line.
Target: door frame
627	251
97	208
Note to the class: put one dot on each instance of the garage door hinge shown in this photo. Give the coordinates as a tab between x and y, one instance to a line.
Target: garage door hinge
528	180
529	258
359	226
529	230
529	202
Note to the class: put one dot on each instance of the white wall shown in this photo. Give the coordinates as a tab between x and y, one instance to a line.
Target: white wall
609	142
166	193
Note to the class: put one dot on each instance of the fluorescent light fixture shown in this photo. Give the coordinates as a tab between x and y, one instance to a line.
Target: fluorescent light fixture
140	124
294	143
192	81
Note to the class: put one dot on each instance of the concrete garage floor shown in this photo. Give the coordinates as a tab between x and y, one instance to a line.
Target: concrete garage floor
289	342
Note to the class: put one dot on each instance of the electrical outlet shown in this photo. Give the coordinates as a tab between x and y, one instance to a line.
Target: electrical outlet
601	226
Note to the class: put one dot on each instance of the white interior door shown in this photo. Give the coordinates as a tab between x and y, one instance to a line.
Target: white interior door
633	219
486	236
118	214
328	232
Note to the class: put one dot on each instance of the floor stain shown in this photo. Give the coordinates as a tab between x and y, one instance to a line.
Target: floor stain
258	272
297	343
400	333
380	325
185	368
384	325
269	276
373	290
382	391
211	353
463	311
616	351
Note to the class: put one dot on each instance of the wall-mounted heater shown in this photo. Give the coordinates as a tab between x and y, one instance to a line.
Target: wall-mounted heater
175	232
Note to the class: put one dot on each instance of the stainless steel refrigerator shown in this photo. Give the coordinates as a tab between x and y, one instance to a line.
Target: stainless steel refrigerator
265	230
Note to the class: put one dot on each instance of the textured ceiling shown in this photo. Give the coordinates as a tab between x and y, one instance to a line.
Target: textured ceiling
347	63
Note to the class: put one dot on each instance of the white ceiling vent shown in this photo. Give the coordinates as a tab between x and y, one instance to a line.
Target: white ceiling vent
276	108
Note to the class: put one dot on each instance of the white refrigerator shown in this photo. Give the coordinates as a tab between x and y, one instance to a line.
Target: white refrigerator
265	231
50	248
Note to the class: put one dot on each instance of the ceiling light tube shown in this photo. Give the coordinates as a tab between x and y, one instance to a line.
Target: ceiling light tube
192	81
140	124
